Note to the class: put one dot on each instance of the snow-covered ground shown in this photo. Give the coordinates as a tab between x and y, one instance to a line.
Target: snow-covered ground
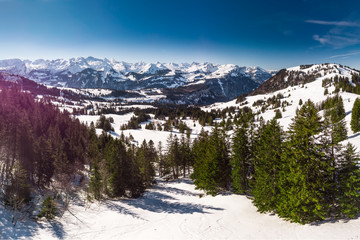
174	210
143	134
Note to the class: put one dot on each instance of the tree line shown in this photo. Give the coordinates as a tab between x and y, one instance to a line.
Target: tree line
303	174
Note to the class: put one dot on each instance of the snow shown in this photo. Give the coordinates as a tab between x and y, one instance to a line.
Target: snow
173	210
118	119
152	68
122	70
143	134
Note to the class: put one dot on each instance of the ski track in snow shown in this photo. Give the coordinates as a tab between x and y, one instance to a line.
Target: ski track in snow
174	210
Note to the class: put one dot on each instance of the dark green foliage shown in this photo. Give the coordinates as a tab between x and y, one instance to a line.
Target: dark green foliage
96	184
150	126
146	156
120	169
17	191
211	162
300	102
303	182
326	92
173	155
186	158
135	121
240	160
268	166
105	123
39	144
355	116
162	163
48	209
178	158
278	114
344	84
303	176
183	127
349	183
334	118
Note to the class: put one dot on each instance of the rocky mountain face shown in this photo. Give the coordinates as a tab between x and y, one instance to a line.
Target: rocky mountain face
198	83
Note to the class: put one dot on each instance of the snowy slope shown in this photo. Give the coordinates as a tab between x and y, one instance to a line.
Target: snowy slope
173	210
292	94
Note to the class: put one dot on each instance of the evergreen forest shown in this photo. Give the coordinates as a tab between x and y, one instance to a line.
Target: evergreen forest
304	174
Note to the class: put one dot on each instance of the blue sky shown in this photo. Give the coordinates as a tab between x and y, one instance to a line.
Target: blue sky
270	34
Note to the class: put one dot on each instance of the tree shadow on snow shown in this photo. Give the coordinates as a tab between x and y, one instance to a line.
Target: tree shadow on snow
176	191
114	206
24	229
57	229
159	202
335	220
354	136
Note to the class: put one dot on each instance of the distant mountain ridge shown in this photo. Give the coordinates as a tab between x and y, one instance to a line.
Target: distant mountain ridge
120	69
304	74
215	82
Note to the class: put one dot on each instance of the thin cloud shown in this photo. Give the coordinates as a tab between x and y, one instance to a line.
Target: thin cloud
345	55
341	34
336	41
335	23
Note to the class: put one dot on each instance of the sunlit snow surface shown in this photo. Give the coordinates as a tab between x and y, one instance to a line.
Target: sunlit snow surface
174	210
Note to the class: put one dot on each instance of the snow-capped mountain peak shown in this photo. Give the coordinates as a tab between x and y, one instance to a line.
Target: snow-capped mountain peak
216	81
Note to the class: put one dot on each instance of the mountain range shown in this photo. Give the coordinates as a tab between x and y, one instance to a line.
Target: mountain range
195	83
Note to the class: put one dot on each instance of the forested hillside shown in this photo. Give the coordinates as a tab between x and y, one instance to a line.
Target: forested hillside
47	154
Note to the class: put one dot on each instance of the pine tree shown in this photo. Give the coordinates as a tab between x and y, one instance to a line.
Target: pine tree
173	155
115	156
240	160
48	208
355	116
185	155
268	165
303	183
95	187
199	151
146	157
278	114
212	165
333	133
349	183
